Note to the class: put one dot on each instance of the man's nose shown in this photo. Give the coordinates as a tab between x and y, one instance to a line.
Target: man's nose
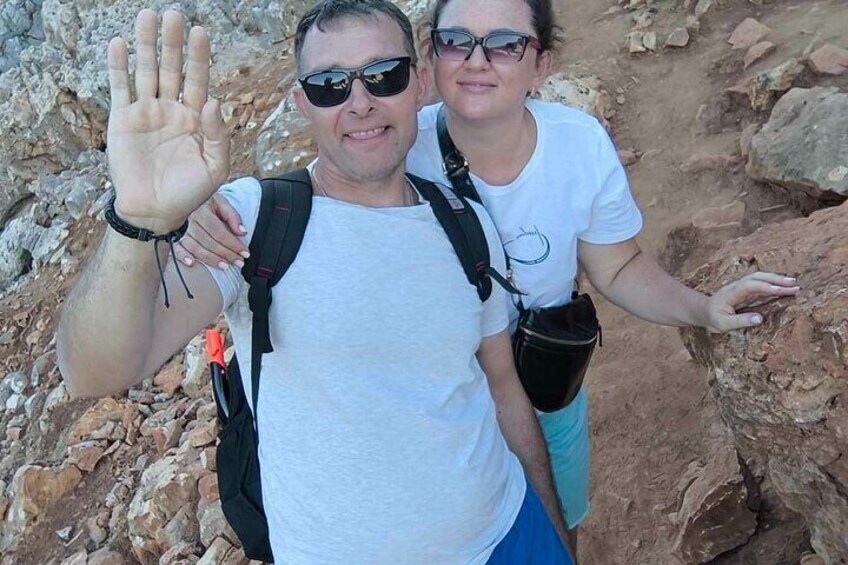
361	102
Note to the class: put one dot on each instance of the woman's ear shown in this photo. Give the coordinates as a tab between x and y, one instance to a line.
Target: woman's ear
544	64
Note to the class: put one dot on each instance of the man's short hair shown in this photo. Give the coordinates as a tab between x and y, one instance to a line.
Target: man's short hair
331	12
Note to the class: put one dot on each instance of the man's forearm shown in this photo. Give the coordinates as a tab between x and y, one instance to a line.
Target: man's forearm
520	428
107	321
643	288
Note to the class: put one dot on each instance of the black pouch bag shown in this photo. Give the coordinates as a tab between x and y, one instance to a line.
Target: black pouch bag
552	346
552	349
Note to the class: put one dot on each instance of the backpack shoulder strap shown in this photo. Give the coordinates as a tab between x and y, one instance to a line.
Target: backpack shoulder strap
454	164
283	215
462	226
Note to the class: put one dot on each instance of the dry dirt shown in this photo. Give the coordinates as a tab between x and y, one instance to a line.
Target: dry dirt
651	414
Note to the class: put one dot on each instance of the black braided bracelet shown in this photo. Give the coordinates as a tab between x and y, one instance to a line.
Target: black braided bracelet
142	234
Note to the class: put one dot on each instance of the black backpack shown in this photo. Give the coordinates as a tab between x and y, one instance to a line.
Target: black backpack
283	215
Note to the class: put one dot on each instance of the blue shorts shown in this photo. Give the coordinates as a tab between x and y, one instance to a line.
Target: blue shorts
567	434
532	540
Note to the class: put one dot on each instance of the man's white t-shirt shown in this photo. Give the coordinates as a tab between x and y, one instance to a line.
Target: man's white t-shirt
573	187
378	437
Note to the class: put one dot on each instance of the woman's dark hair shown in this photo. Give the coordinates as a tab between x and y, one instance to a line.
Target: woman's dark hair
542	18
331	12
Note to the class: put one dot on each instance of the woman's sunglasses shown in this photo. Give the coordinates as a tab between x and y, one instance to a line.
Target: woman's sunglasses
381	78
498	47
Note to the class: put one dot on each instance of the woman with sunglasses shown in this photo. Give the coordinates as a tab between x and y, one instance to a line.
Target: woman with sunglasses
551	180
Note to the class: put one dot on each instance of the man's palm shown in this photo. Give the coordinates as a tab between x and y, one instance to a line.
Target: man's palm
166	157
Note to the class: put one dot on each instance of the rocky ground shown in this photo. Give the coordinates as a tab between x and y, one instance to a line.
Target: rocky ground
732	118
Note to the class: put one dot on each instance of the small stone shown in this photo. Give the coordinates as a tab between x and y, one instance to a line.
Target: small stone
649	40
757	52
65	533
703	6
627	156
635	45
18	381
96	532
678	38
811	559
747	34
13	434
78	558
829	59
203	435
85	455
15	403
105	556
208	459
693	24
170	378
207	486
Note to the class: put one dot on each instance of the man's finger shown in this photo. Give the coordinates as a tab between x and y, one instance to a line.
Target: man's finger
196	89
146	67
119	80
171	63
216	141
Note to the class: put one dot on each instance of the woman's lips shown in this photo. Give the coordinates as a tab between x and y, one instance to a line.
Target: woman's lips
475	86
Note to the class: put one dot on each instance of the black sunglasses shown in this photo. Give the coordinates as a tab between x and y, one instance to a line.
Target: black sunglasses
381	78
498	46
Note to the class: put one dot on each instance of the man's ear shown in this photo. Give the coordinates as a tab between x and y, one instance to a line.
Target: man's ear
299	98
544	64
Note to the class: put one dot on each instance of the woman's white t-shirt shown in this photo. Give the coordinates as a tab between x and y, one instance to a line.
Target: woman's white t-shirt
573	187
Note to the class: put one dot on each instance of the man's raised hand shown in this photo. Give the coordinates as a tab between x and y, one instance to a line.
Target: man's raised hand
167	155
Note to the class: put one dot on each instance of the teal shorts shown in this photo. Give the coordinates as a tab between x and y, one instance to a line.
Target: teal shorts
567	434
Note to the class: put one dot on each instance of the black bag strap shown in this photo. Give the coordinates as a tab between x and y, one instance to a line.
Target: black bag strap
454	163
462	226
283	214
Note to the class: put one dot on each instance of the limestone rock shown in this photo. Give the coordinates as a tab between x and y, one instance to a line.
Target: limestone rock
779	386
635	42
166	487
85	455
106	410
829	59
197	375
649	40
757	52
703	6
584	93
285	143
221	552
105	556
747	34
718	511
34	489
678	38
763	88
804	144
213	523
